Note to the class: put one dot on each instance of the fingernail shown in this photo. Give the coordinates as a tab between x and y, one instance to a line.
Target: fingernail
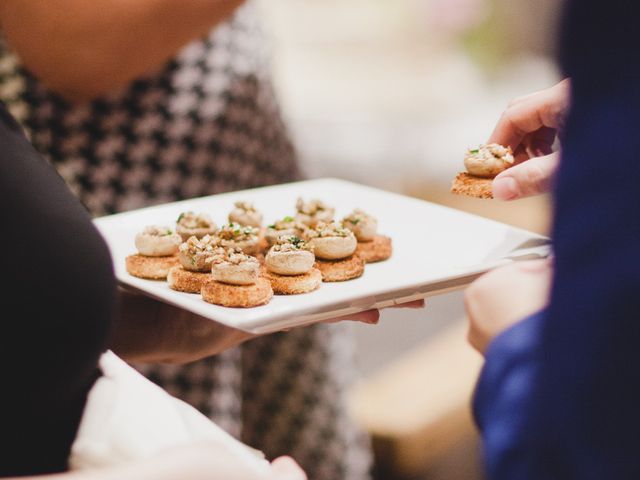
505	188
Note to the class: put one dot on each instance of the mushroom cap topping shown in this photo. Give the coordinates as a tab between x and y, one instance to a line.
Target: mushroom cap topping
200	224
313	211
332	241
234	235
286	226
235	268
196	254
363	225
487	161
157	241
290	256
245	214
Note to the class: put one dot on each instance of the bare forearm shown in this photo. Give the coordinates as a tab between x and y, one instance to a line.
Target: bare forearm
84	49
148	331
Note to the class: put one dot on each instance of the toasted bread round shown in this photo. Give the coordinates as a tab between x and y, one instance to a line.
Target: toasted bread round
294	284
187	281
478	187
376	250
237	296
150	268
341	270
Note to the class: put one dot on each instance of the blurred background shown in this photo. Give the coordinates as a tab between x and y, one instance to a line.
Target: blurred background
390	93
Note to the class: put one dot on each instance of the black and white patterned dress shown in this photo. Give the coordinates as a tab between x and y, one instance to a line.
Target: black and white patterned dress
205	123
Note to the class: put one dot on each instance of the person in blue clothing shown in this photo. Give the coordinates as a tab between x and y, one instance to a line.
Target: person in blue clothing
558	396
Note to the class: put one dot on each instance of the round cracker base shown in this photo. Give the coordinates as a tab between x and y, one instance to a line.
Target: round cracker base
478	187
377	250
237	296
294	284
183	280
341	270
150	268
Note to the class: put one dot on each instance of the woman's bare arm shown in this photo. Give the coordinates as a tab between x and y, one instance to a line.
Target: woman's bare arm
149	331
83	49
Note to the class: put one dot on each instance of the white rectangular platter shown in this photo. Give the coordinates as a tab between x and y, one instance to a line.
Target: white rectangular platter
435	250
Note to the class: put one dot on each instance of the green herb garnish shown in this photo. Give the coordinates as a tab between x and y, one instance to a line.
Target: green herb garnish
475	150
288	219
180	217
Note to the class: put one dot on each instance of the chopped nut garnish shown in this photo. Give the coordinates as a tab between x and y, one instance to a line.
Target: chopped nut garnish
288	223
236	232
333	229
357	216
157	230
290	243
232	256
363	225
246	206
207	244
312	207
192	220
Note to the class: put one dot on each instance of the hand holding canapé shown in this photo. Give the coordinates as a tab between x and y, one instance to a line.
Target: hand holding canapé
482	165
530	126
518	159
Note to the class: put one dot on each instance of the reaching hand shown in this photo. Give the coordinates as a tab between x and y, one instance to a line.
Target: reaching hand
504	296
529	126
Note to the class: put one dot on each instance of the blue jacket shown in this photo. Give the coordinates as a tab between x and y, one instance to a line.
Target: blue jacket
559	396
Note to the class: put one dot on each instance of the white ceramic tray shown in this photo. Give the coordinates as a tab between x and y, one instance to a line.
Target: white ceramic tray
436	250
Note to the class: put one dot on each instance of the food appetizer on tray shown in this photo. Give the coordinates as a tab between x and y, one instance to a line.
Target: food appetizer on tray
289	266
372	247
196	257
242	264
236	281
191	224
234	235
313	211
157	253
335	249
287	226
245	214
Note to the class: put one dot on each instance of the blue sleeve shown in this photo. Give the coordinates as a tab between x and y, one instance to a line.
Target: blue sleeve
505	391
565	403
